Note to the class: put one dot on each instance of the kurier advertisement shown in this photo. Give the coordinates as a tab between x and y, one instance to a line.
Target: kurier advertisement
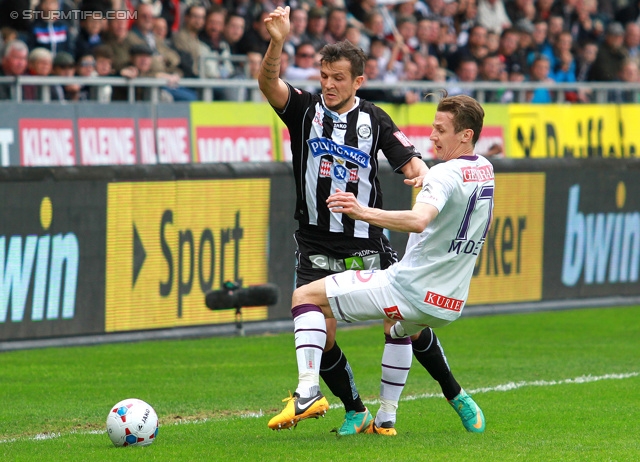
51	259
592	237
540	130
509	267
169	243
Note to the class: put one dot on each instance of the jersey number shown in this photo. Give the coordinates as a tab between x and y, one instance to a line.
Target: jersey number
485	193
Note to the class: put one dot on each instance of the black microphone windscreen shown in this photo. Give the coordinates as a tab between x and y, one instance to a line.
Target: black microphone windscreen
259	295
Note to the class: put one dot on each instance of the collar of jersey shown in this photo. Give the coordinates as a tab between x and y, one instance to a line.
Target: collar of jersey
334	115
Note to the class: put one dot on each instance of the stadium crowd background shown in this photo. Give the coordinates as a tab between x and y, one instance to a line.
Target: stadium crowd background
418	40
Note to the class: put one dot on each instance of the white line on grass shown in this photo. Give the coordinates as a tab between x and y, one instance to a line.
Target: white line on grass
503	387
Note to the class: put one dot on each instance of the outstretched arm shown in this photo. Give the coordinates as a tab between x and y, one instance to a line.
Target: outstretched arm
409	221
273	88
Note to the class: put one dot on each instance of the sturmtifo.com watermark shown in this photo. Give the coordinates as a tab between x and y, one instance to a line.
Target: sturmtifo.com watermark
72	15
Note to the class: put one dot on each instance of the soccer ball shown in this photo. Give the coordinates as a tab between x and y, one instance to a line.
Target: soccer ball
132	422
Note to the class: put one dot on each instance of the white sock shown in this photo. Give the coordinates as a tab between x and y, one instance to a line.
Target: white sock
396	363
310	338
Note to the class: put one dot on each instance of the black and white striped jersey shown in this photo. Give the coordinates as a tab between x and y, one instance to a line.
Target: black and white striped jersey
332	150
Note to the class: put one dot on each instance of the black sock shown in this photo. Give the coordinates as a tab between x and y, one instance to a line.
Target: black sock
429	353
336	373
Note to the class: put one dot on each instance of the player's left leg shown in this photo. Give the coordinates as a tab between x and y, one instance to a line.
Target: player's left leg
429	352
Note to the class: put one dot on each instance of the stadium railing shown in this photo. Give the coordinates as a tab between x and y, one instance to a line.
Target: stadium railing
600	91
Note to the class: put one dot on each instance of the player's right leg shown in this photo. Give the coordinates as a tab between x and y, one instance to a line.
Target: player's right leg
310	338
337	374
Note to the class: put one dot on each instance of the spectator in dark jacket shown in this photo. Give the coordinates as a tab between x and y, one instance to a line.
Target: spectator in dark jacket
611	55
49	32
14	63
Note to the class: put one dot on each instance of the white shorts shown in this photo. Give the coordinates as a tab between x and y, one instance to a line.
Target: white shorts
366	295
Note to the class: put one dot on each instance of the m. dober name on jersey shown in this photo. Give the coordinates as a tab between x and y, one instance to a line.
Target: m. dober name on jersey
441	301
484	173
324	146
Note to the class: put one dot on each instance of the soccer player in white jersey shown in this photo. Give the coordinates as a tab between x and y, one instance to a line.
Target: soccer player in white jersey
429	286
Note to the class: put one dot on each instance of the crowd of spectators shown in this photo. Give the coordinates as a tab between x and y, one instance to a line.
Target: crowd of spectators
455	41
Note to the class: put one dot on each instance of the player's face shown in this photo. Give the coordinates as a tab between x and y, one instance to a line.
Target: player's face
448	144
338	86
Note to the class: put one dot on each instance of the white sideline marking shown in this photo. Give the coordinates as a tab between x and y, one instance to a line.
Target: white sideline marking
504	387
512	386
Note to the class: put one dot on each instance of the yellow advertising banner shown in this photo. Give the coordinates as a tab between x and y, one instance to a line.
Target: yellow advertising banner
233	132
169	243
509	267
579	131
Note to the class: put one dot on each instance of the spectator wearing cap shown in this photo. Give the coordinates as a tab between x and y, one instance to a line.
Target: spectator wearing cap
611	55
64	66
493	16
103	56
14	63
186	39
141	66
316	26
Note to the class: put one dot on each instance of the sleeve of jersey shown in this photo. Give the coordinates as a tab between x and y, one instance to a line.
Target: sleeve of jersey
437	187
395	145
298	100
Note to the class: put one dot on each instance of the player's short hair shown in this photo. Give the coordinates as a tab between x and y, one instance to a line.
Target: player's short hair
345	50
467	113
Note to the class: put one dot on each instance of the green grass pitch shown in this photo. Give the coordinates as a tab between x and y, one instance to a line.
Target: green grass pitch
554	386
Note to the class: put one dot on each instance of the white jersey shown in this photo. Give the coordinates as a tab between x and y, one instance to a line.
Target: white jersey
435	272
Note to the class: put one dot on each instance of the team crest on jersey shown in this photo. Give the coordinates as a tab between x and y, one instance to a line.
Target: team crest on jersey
364	131
338	172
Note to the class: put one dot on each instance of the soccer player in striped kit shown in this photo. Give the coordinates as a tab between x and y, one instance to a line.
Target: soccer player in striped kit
335	137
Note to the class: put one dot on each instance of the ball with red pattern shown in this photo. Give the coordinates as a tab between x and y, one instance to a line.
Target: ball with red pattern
132	422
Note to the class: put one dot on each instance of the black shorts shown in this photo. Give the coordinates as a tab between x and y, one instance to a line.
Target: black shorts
318	256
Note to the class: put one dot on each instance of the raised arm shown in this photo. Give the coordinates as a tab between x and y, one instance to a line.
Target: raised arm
274	88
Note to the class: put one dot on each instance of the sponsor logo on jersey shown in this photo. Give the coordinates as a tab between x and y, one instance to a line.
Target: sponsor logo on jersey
340	125
325	146
403	139
393	313
483	173
441	301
